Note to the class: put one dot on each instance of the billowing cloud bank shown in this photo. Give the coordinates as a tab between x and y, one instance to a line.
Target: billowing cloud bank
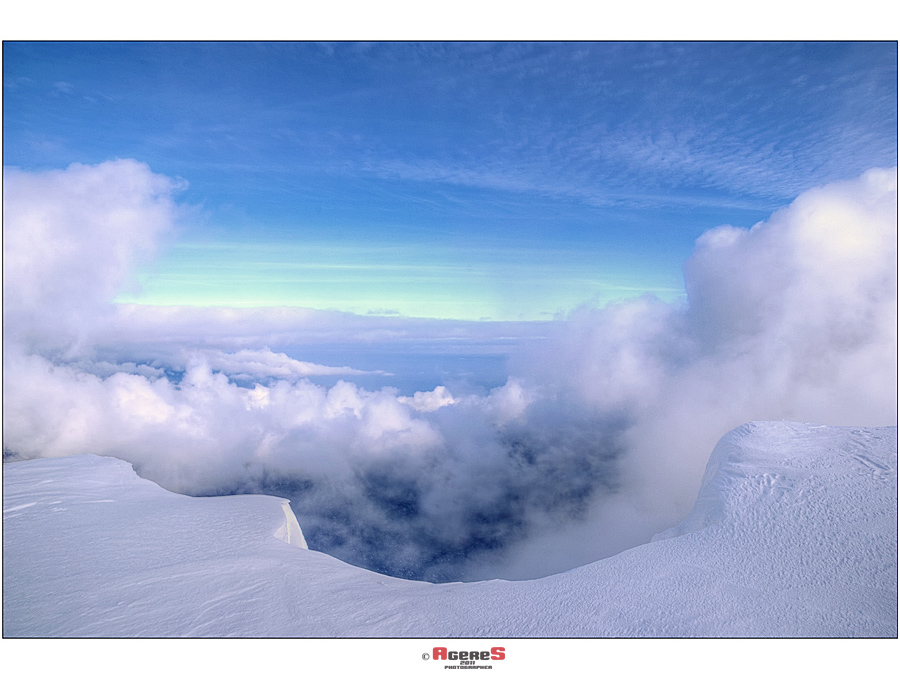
597	441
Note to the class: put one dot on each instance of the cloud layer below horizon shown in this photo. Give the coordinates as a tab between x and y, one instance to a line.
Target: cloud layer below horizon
597	440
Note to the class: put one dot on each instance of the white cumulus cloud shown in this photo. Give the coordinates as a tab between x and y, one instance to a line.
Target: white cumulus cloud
597	441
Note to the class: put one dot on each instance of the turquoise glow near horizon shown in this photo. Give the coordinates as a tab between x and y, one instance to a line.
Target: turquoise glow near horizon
469	180
405	280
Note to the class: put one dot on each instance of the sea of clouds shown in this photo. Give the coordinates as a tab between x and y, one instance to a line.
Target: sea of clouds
596	441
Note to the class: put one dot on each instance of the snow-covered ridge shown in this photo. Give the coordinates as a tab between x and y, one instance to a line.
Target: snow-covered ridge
794	533
291	532
756	465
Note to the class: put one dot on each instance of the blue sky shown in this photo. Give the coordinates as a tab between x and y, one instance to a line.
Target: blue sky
424	187
451	180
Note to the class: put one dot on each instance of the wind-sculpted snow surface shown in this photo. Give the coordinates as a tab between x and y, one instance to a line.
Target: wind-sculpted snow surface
794	533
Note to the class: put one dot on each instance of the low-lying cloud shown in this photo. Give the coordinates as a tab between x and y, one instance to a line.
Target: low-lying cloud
597	441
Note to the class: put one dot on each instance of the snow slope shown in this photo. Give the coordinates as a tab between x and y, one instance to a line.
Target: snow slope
794	533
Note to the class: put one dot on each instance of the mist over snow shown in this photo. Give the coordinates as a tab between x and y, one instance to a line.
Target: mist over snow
597	440
761	554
